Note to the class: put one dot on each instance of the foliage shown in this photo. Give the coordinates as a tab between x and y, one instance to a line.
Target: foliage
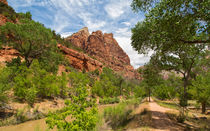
4	85
30	83
62	84
200	89
177	31
151	77
162	92
33	41
171	21
109	100
117	115
111	84
76	108
7	11
139	91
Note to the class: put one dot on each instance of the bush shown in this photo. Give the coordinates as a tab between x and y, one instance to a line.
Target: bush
8	11
80	118
33	82
109	100
162	92
4	85
117	115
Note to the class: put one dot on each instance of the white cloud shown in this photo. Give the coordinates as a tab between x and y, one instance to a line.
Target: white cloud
135	58
123	32
91	22
66	34
117	7
126	23
60	22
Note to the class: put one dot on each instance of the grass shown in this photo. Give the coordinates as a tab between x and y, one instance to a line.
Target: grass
167	104
120	115
109	100
190	123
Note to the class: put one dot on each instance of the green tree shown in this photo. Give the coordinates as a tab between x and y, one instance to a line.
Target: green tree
177	31
81	118
171	21
4	85
32	40
200	89
30	83
151	77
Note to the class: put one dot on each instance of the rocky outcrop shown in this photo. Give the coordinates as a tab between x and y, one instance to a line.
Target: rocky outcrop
3	20
80	60
7	54
4	1
105	49
79	39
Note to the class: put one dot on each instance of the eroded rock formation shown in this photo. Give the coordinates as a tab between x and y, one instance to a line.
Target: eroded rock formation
105	49
7	54
80	60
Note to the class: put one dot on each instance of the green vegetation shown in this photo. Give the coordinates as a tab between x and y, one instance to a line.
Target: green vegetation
151	77
44	48
112	85
118	115
33	82
200	89
80	117
178	33
109	100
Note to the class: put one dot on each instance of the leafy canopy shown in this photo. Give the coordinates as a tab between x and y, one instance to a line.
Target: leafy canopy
32	40
80	118
169	23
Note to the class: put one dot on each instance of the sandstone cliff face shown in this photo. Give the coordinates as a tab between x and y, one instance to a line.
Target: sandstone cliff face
7	54
105	49
80	60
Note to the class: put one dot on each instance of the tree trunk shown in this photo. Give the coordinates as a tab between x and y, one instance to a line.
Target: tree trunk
28	63
203	107
149	94
184	97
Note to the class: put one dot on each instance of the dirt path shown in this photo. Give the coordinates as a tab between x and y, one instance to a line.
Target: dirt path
155	119
160	120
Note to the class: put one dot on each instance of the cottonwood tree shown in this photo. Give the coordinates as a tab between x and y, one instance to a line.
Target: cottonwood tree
151	77
177	31
200	89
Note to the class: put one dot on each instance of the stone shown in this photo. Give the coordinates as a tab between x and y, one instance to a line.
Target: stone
105	49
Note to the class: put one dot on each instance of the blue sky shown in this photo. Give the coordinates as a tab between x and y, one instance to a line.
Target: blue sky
68	16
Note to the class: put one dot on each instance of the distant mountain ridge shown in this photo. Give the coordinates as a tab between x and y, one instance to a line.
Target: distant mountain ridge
105	49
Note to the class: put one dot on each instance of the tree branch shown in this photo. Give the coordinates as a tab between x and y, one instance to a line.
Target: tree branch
195	41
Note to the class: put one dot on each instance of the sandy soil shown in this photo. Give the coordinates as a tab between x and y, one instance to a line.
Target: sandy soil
155	120
160	121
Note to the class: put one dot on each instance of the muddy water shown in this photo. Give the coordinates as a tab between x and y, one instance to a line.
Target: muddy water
38	125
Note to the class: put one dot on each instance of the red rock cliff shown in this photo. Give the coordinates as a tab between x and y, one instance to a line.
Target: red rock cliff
105	49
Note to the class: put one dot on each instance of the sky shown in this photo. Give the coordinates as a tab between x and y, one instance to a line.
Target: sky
68	16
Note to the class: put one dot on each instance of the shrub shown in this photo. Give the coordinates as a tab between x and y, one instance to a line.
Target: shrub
117	115
109	100
33	82
4	85
80	118
20	116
